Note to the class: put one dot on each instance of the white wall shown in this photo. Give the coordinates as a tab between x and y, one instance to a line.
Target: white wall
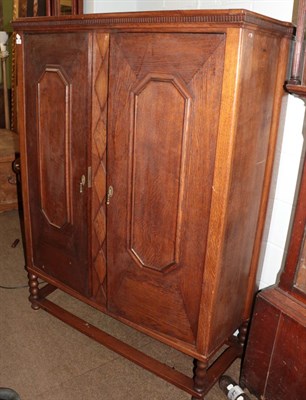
290	142
282	201
105	6
280	9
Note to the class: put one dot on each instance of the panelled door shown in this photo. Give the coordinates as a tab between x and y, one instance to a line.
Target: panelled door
164	101
57	73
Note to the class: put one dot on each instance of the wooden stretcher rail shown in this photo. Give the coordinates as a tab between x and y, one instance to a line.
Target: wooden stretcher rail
164	371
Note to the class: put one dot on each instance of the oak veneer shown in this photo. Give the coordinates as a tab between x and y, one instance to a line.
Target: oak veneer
147	144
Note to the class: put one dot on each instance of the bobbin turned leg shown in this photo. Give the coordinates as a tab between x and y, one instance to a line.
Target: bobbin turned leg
34	291
243	331
242	337
199	377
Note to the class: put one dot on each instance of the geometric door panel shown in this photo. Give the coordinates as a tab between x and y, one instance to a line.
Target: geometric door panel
54	158
154	240
58	98
162	133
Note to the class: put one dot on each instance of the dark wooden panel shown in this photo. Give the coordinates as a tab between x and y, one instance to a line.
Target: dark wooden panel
54	144
259	348
57	97
287	372
274	366
185	54
157	154
164	96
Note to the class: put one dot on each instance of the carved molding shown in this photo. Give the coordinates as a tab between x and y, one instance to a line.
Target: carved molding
169	257
58	212
197	18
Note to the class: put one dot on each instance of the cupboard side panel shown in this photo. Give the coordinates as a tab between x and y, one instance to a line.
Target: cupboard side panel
260	54
279	93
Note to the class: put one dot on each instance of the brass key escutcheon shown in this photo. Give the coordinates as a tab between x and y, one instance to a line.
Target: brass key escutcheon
82	183
110	193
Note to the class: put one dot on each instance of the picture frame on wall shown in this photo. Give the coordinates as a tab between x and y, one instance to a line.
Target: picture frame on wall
30	8
36	8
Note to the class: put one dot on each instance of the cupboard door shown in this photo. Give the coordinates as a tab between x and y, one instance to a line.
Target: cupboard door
57	123
165	92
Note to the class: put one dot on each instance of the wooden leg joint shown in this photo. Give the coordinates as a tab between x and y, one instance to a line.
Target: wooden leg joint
200	376
205	376
34	290
243	331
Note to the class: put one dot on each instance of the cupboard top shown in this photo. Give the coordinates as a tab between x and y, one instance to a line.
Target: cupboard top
195	20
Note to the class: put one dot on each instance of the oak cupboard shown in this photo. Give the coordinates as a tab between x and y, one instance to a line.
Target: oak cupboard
147	143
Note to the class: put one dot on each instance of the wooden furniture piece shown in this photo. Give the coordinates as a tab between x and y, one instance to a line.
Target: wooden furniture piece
296	85
147	143
274	367
8	188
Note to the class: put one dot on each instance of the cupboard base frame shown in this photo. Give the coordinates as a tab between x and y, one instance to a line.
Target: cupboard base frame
205	376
